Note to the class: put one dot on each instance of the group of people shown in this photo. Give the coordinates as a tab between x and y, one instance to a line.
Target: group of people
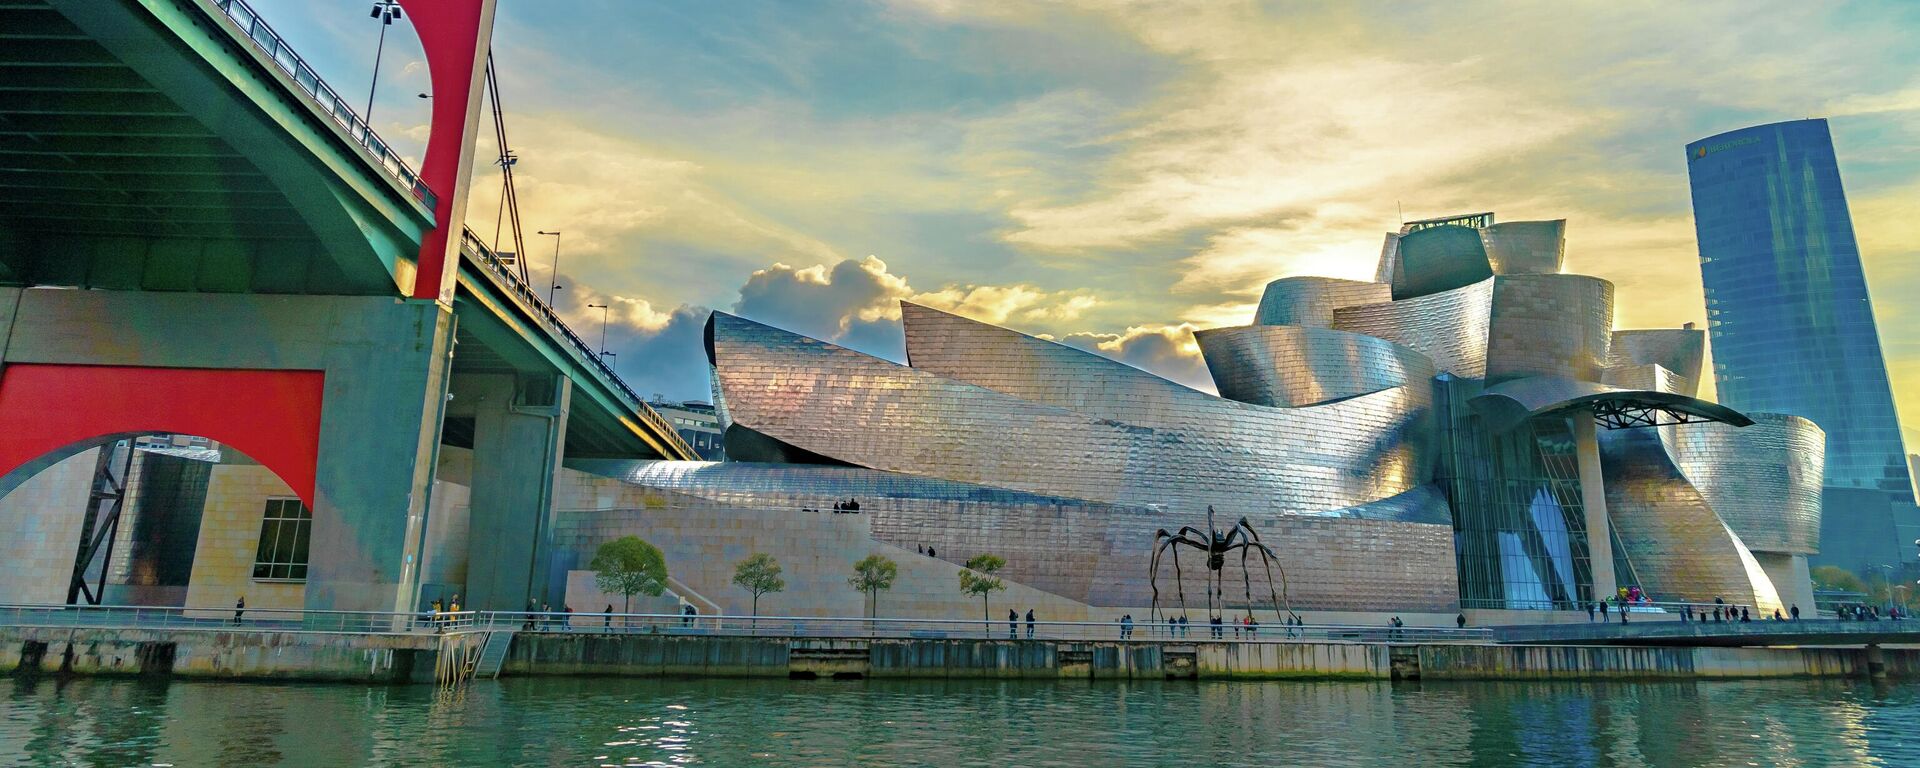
926	550
435	615
848	507
1866	613
1013	623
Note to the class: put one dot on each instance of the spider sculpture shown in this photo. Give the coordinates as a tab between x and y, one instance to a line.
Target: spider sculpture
1216	544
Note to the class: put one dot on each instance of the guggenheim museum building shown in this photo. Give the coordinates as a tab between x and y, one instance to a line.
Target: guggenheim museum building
1465	432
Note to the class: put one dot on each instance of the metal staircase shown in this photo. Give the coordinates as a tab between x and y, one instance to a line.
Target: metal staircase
493	655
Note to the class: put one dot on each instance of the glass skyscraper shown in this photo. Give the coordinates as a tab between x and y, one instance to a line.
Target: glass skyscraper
1791	326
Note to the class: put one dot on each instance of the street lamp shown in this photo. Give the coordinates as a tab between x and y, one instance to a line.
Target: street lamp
612	365
554	283
604	309
386	11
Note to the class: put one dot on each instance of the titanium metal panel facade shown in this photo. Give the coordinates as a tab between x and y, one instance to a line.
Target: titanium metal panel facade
1549	325
1095	431
1668	531
1439	259
1787	306
1679	350
1290	367
1450	328
1763	480
1310	301
1526	247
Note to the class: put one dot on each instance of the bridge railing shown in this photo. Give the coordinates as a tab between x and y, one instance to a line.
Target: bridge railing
232	619
508	278
250	25
829	628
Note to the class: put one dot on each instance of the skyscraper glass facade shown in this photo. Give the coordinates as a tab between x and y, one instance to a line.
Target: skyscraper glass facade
1792	329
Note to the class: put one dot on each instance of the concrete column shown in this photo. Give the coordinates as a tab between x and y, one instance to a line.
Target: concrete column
520	426
380	421
1593	497
9	306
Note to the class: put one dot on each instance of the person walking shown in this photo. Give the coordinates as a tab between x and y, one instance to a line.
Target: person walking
1013	624
1030	623
1794	611
1460	621
434	615
239	607
608	623
1603	611
1589	612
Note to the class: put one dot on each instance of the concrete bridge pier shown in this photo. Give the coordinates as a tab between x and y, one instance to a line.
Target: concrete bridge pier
520	429
341	396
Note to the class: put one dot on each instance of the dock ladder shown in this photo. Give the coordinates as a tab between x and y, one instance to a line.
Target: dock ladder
493	655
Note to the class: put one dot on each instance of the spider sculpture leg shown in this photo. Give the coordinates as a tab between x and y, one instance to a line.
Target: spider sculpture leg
1270	560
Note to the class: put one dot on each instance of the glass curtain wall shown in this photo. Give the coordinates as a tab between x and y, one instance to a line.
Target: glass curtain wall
1519	525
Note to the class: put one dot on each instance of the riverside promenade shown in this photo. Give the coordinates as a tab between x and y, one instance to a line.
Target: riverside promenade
451	648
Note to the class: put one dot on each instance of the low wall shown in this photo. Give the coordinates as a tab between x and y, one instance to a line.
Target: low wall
253	655
1469	662
289	655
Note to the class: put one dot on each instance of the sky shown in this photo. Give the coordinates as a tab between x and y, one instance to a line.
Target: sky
1116	174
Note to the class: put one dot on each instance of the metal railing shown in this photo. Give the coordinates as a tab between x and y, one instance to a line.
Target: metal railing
232	619
831	628
799	627
471	245
248	23
1675	607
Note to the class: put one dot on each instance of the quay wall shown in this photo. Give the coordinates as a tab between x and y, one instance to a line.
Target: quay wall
296	655
251	655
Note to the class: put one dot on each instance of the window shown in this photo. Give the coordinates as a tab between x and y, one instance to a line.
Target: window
284	531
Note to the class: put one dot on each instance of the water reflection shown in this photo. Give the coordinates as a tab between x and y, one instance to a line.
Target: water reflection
963	723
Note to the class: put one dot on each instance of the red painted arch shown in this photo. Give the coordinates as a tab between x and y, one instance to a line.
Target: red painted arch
455	36
48	411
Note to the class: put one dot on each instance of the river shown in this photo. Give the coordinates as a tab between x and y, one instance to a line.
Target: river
588	722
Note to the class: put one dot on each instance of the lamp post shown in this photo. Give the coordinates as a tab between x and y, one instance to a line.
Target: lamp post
612	364
554	283
604	309
386	11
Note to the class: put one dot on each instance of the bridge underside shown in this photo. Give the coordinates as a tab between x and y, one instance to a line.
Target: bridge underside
215	216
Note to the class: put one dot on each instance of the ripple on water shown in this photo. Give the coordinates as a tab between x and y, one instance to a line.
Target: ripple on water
557	721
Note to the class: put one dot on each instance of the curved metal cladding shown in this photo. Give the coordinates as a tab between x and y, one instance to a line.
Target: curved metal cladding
1450	328
1549	325
1290	367
1310	301
1526	247
1679	350
1668	531
1096	429
1089	551
1763	480
1654	378
1439	259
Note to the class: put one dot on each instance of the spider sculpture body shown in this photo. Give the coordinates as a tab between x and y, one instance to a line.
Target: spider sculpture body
1216	545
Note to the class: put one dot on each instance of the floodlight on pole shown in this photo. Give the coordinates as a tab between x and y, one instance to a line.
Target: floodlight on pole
386	11
553	284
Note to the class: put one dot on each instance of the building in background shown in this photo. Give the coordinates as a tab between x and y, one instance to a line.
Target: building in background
1792	328
698	423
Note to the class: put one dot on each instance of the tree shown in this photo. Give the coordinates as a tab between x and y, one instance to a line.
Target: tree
978	579
758	574
872	574
1835	577
627	566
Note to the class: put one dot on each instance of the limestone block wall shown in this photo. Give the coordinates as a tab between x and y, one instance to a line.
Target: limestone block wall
816	551
229	538
40	531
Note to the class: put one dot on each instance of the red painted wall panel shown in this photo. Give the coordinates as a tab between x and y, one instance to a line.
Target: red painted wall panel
271	416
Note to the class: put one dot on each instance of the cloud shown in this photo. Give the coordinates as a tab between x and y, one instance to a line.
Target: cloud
658	353
1168	351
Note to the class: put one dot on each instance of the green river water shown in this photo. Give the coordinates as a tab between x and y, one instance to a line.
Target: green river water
589	722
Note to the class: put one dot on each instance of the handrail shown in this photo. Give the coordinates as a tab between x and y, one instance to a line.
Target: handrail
234	619
470	243
250	25
845	627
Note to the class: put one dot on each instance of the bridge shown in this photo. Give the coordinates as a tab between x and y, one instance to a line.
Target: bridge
1824	632
199	236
